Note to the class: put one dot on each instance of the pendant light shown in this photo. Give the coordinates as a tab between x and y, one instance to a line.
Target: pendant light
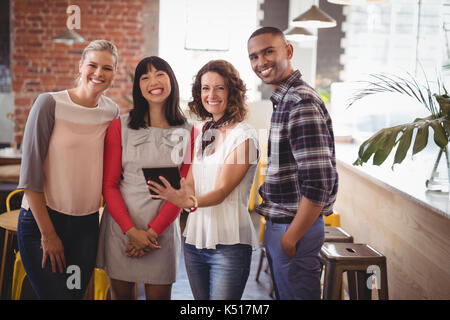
68	36
357	2
299	34
314	18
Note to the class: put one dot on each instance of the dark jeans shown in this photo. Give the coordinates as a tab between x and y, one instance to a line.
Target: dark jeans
79	236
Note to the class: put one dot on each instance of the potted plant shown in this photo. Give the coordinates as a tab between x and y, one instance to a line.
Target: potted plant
381	144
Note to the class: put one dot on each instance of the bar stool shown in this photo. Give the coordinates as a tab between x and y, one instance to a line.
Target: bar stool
337	234
8	221
361	262
101	286
262	227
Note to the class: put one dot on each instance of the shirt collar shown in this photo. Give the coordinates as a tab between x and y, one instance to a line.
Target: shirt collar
280	92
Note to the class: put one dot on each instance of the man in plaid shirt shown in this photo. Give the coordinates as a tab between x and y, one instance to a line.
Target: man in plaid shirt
301	180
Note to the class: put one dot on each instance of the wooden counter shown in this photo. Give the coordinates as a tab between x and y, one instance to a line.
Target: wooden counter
379	207
10	156
10	173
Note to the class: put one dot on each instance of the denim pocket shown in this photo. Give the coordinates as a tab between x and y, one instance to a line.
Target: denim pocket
27	224
26	216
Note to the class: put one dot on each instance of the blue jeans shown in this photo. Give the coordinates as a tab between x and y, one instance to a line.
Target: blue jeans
218	274
296	278
79	236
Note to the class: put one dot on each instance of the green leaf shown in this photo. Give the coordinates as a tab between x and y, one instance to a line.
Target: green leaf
421	138
386	145
382	143
362	148
373	145
439	134
404	144
444	104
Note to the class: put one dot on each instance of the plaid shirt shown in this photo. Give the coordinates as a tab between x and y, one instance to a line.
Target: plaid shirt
301	152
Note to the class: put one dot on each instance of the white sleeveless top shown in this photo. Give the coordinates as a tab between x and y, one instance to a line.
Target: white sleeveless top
229	222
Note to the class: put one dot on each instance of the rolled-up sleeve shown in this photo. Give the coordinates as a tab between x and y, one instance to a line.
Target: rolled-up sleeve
38	130
313	149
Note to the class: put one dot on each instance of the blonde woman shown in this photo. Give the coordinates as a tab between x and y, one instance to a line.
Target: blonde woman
61	173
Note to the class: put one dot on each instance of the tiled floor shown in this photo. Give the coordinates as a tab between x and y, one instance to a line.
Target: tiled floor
253	290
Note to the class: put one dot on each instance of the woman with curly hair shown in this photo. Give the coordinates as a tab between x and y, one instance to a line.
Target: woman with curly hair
219	235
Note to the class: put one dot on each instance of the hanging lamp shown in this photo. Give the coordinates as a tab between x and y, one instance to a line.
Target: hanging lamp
68	36
299	34
314	18
357	2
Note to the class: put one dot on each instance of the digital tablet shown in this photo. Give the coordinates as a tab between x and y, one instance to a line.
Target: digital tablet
172	174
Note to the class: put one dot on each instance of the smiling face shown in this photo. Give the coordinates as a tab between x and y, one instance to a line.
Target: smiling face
270	57
155	86
214	94
97	71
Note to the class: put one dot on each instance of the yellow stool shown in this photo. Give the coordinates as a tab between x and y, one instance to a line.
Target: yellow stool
255	198
8	199
101	285
101	282
18	271
333	220
262	227
18	277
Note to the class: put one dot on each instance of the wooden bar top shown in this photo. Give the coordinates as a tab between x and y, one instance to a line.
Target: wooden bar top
9	173
10	156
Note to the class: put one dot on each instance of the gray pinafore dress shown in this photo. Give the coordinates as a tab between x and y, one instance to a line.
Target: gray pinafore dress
144	148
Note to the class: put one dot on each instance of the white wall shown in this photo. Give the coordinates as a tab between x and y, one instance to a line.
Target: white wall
243	21
240	20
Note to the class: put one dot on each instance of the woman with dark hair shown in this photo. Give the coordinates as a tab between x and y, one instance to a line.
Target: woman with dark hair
140	236
219	235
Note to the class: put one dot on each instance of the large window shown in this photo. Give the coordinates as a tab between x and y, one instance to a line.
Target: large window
193	32
399	37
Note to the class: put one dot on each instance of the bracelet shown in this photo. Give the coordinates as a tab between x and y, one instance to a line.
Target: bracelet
193	198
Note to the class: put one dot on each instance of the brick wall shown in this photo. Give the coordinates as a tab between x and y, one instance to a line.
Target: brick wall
40	65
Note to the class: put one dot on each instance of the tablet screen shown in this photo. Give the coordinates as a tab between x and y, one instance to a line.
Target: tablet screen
172	174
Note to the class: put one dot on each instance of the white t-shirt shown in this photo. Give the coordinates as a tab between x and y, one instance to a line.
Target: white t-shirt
229	222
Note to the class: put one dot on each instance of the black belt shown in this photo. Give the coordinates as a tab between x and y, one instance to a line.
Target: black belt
282	220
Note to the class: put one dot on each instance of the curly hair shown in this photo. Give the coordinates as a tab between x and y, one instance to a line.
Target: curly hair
236	107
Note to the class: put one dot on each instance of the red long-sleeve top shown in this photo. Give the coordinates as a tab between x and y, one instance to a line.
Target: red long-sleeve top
112	169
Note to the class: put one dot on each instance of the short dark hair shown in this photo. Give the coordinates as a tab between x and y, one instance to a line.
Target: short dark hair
173	113
236	108
272	30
